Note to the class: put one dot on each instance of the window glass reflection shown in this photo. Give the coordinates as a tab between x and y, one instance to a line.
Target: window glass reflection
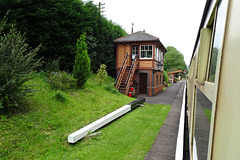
202	124
218	36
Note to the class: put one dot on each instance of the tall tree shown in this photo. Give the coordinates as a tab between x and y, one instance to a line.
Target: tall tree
56	24
81	69
17	61
174	60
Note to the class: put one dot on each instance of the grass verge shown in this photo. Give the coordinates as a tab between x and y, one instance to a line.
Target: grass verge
41	131
128	138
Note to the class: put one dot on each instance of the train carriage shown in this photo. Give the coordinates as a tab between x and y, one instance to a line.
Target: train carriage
213	89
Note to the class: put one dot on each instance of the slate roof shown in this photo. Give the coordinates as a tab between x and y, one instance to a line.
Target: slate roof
140	36
137	37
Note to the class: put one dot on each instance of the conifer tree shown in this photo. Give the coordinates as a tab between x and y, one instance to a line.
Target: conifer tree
17	62
81	68
102	73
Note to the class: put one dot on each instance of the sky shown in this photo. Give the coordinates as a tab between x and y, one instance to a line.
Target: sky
174	22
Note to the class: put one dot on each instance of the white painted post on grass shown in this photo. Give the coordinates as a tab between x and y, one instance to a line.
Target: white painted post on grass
74	137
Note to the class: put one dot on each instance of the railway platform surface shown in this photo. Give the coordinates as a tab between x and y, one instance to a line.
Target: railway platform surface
164	146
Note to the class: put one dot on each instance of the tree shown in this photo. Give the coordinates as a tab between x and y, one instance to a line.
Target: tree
102	73
17	61
56	24
173	60
81	69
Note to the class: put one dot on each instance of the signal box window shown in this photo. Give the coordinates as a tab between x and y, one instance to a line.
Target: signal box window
147	51
134	51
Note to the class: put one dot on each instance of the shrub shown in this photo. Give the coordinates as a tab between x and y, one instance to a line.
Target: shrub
62	81
165	77
60	96
53	65
81	68
102	73
17	61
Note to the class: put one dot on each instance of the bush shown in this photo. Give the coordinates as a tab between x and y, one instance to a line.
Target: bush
17	61
60	96
102	73
62	81
53	65
165	77
81	68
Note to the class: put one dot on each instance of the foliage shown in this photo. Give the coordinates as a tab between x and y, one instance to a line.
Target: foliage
81	68
48	120
27	136
62	81
102	73
174	60
60	96
56	24
53	65
165	77
17	61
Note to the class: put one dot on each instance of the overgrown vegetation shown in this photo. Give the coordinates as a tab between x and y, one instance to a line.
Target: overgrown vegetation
62	81
60	96
81	69
17	61
41	132
57	24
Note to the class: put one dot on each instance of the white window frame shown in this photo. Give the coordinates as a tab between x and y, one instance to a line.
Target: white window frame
156	53
135	51
146	50
160	56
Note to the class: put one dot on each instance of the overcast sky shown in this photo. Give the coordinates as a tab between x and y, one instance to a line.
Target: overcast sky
174	22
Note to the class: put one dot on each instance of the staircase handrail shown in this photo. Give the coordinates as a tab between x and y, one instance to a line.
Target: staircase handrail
122	69
131	75
130	71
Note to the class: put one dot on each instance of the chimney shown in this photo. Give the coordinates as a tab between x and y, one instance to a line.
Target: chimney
132	27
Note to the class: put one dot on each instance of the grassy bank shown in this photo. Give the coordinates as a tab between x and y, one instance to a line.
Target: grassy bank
40	132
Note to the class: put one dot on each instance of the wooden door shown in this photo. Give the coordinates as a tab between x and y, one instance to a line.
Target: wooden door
143	83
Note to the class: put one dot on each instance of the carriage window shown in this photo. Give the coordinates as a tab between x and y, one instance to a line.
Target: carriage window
217	40
202	124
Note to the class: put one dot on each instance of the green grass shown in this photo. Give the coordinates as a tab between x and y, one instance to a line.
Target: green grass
41	131
208	113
